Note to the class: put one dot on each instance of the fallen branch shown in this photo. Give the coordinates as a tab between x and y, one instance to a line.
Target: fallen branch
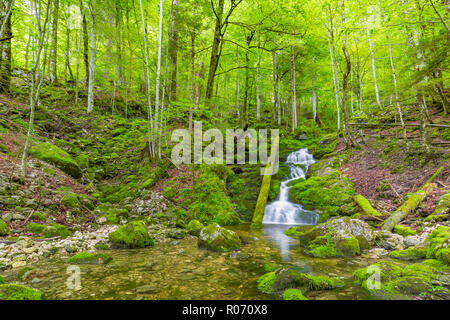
411	204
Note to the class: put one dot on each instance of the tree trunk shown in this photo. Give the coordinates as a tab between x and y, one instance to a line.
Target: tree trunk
411	204
377	94
335	84
92	64
85	45
215	52
54	49
173	51
258	82
5	76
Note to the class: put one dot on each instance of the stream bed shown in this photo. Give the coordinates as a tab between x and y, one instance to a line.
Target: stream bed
179	270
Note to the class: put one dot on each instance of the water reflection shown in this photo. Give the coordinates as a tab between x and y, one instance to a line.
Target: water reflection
275	234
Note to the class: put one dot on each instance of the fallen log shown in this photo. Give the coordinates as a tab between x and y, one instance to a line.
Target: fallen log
411	204
258	214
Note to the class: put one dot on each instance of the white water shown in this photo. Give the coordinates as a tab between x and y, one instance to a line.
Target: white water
282	211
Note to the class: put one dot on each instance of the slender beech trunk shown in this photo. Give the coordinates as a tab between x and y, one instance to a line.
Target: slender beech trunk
374	70
92	64
258	81
193	77
54	49
294	92
38	72
158	70
314	95
173	51
147	73
394	75
85	45
335	84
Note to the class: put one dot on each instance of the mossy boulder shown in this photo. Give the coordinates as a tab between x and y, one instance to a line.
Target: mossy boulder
194	227
208	201
330	194
131	235
409	254
439	241
89	258
404	231
293	294
53	230
61	159
4	229
19	292
216	238
388	280
286	278
293	232
343	237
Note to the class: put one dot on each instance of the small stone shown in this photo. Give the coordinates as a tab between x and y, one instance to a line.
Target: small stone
148	289
19	264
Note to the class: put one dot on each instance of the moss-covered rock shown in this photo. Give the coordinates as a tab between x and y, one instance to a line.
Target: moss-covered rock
409	254
89	258
343	237
194	227
4	230
111	213
404	231
53	230
439	241
18	292
330	194
52	154
217	238
293	232
209	203
293	294
387	280
131	235
286	278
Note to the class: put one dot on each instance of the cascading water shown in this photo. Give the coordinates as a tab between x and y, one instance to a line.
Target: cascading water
282	211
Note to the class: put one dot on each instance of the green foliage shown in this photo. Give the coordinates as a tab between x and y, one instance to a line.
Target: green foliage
293	294
404	231
4	229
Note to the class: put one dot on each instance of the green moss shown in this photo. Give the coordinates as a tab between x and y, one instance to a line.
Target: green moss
436	240
266	282
348	247
208	202
131	235
89	258
169	193
271	267
293	232
293	294
438	265
443	255
54	155
404	231
18	292
194	227
409	254
70	200
323	251
290	278
217	238
365	205
2	280
50	231
330	194
4	230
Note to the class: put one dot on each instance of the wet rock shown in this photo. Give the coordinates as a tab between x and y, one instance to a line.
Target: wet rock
389	241
89	258
194	227
412	241
18	292
239	256
177	234
217	238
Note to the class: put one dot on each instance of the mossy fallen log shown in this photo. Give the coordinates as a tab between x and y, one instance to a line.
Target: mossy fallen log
411	204
365	206
258	215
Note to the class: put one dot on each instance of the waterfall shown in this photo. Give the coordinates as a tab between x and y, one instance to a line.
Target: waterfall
282	211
